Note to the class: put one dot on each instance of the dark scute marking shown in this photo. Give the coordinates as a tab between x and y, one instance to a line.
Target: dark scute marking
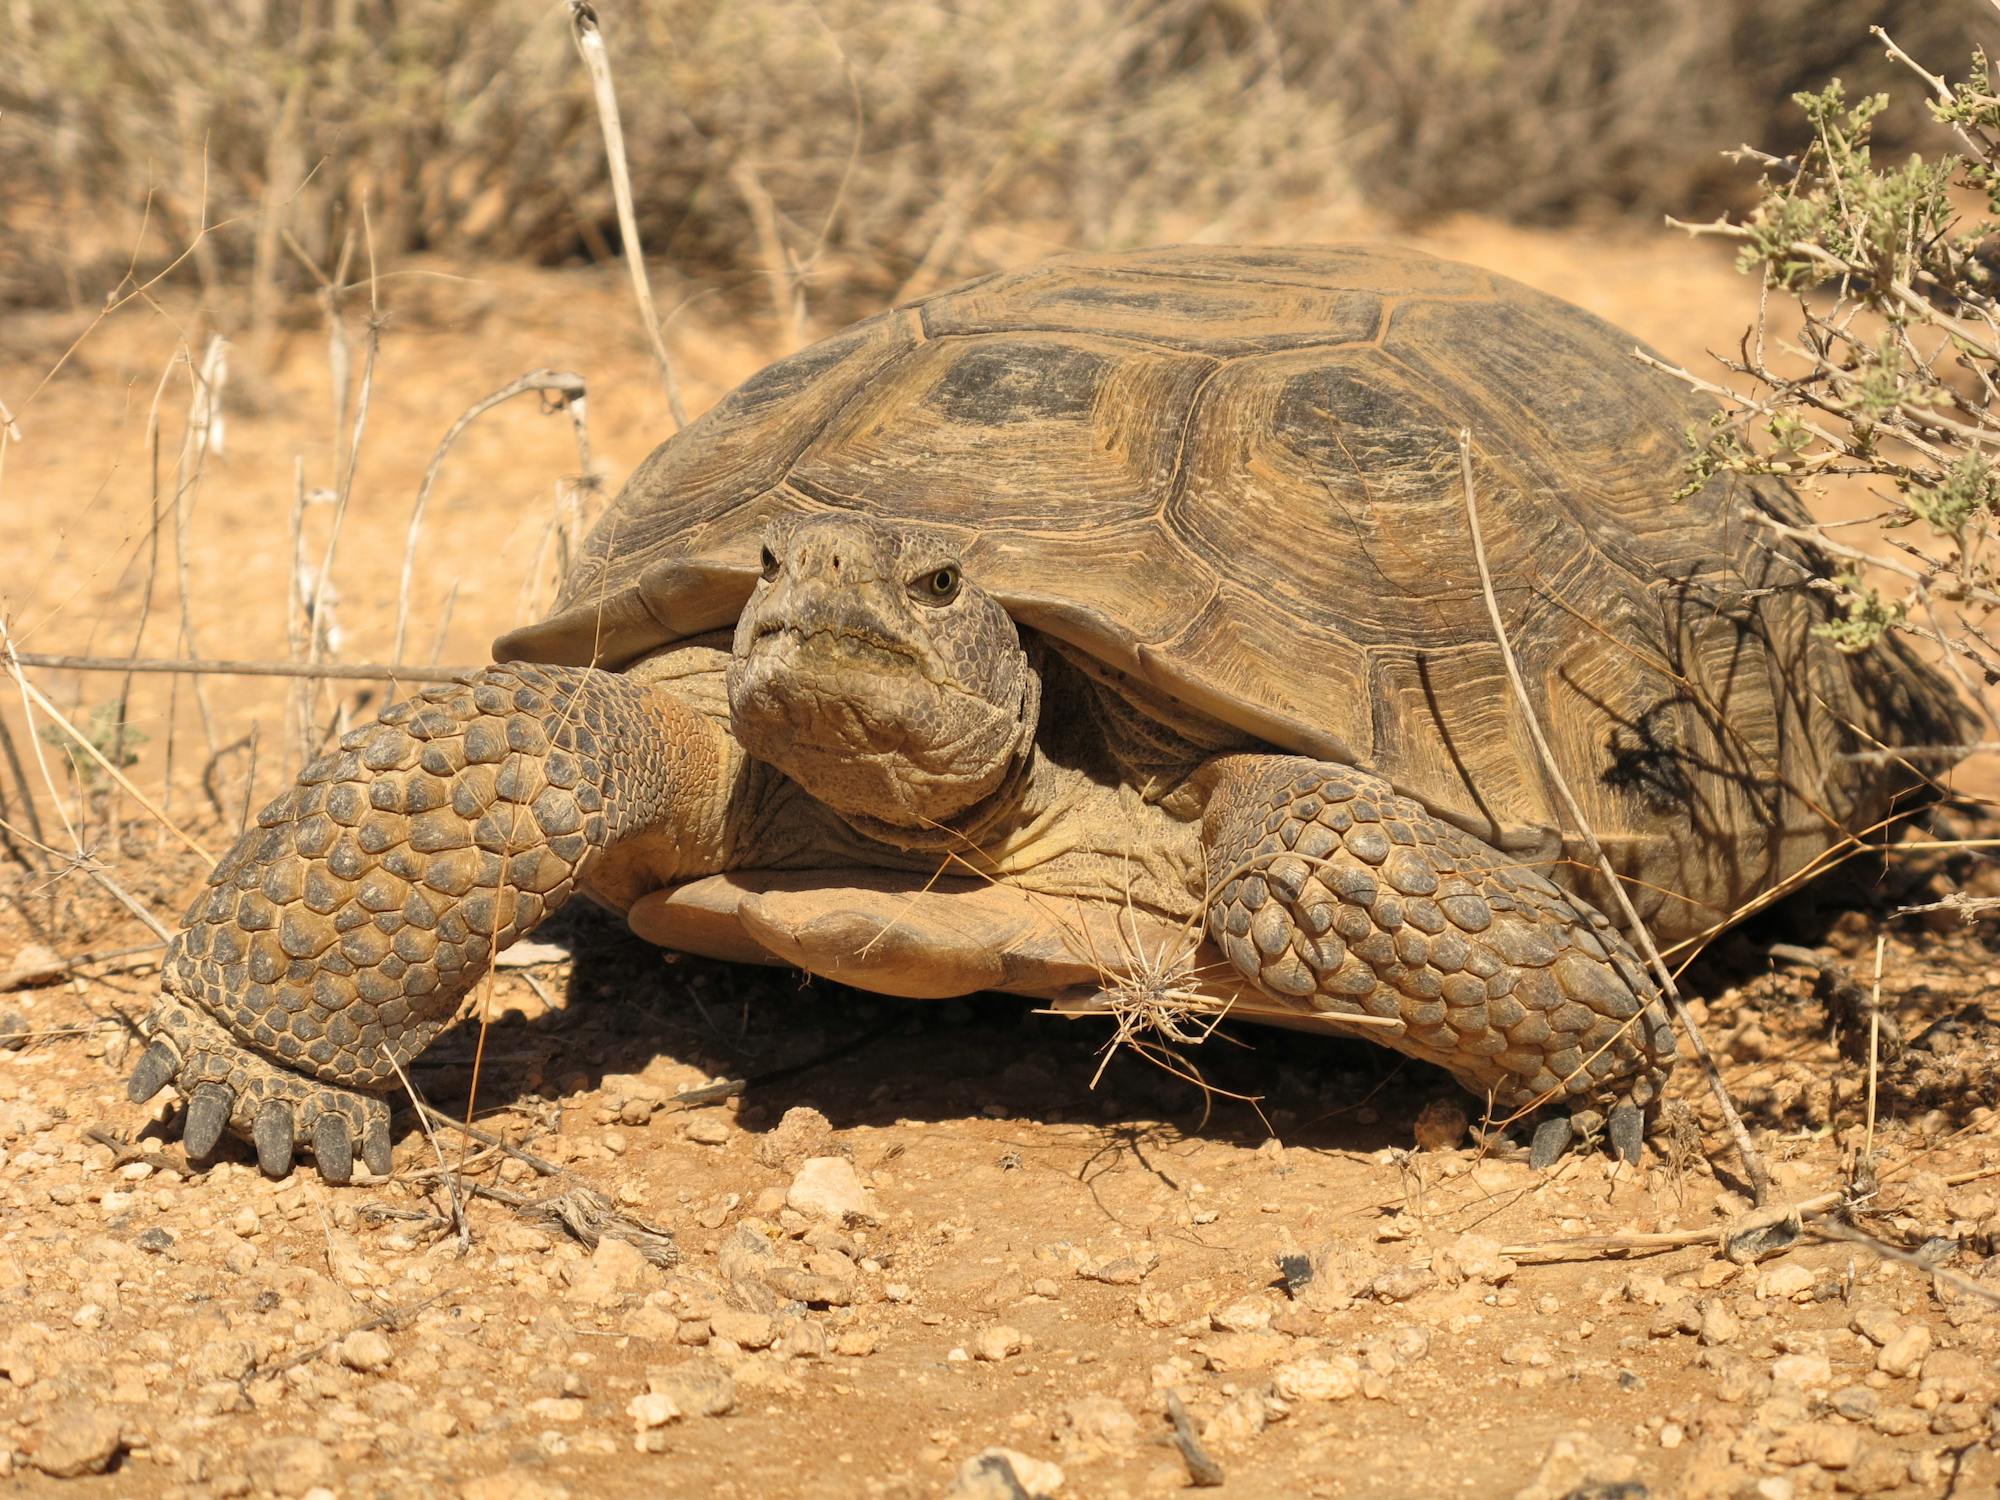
995	383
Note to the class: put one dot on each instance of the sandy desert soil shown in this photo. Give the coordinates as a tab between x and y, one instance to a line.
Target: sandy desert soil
917	1233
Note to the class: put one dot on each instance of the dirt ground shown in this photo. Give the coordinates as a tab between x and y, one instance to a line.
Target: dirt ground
898	1235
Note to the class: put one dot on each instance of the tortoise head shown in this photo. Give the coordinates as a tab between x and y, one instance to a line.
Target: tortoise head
874	673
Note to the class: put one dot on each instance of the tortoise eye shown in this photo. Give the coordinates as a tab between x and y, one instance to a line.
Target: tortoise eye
939	586
770	565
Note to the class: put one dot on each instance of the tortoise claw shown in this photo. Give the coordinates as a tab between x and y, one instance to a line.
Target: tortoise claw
1627	1129
1552	1138
155	1071
333	1149
273	1135
207	1115
375	1153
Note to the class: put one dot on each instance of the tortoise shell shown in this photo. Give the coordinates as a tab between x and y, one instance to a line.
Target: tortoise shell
1235	475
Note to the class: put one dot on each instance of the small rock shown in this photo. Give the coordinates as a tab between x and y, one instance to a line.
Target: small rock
1787	1280
1473	1257
1318	1377
80	1438
615	1267
1156	1308
35	964
1806	1371
697	1388
1534	1351
1246	1315
1718	1324
1095	1425
510	1484
1904	1351
1952	1375
1122	1271
750	1330
857	1343
1830	1446
1004	1474
1680	1316
706	1130
1575	1464
996	1342
1441	1125
1898	1421
801	1131
1228	1352
1403	1283
828	1187
1240	1418
288	1465
366	1351
801	1338
1855	1402
1874	1323
1875	1472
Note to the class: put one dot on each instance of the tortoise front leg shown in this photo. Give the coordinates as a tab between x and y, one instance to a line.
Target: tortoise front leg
1332	892
338	937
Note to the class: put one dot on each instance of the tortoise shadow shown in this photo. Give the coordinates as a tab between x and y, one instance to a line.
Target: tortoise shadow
870	1060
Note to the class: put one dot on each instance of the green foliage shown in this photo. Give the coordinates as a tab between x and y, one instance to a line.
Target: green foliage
109	736
1969	491
1864	619
1892	374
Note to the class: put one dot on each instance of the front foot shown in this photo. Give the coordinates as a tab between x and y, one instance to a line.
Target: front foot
1623	1131
228	1086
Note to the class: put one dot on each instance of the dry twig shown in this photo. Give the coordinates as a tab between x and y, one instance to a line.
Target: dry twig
560	389
1753	1164
362	671
590	46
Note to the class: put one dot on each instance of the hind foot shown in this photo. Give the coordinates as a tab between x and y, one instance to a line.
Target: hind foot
227	1086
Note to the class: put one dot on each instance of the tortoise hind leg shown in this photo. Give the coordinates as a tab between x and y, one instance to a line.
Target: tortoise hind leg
1331	891
338	937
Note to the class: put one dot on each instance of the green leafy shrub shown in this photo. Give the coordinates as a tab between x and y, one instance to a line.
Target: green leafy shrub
1891	377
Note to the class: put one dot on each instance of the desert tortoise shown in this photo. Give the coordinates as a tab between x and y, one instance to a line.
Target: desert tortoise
1132	594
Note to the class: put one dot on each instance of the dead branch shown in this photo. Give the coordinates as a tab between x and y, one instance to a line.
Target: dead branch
366	671
559	389
597	61
1753	1164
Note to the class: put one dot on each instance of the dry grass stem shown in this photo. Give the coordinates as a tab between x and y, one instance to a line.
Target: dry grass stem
203	435
597	62
82	740
560	389
1753	1164
1874	1045
446	1175
298	703
1835	1229
1613	1246
362	671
